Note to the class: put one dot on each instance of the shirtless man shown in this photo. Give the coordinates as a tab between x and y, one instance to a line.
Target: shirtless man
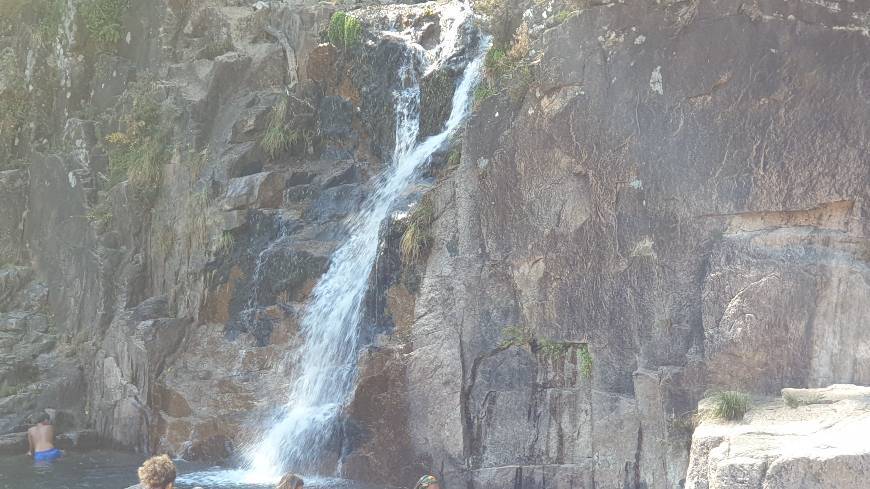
41	440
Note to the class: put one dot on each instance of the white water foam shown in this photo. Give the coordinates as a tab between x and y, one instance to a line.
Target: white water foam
330	325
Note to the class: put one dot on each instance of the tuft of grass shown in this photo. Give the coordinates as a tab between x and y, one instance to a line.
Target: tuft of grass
563	16
584	360
225	243
101	215
553	350
417	236
515	336
730	405
166	240
136	154
483	92
195	227
686	422
103	20
345	30
454	157
278	136
8	390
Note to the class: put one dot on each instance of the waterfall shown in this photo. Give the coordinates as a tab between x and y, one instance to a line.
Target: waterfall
330	324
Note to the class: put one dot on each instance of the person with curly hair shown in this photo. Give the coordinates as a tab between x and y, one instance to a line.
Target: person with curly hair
428	482
157	473
291	481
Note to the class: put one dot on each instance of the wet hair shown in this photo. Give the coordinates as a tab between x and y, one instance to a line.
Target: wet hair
426	481
157	472
291	481
42	418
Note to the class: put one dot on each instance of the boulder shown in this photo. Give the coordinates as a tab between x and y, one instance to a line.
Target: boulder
820	443
262	190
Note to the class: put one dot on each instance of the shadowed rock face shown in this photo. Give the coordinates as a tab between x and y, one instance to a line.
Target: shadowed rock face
682	189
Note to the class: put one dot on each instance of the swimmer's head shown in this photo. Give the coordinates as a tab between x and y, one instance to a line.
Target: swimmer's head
157	473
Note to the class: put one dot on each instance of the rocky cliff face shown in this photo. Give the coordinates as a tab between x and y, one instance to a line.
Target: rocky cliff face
652	199
677	200
172	204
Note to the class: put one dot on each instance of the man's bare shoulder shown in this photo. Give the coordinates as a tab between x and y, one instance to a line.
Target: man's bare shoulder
32	429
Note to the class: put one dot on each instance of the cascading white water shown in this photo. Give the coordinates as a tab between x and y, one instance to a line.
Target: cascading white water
330	324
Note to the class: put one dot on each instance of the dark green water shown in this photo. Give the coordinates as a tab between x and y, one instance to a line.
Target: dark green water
104	469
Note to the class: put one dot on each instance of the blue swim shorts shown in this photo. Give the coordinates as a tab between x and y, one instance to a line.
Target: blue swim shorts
47	455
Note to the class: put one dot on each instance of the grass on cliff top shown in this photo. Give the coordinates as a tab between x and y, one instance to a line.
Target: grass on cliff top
345	30
730	405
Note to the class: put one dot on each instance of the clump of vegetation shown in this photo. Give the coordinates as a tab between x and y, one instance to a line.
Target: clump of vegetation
279	136
136	153
794	401
584	360
103	20
730	405
553	350
166	240
345	30
417	237
8	390
563	15
506	68
483	92
454	157
43	16
516	336
686	422
101	215
225	243
196	225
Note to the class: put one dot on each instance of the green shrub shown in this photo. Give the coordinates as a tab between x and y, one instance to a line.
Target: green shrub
103	20
730	405
417	237
345	30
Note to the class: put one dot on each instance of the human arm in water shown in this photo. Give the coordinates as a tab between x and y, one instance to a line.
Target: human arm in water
29	443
